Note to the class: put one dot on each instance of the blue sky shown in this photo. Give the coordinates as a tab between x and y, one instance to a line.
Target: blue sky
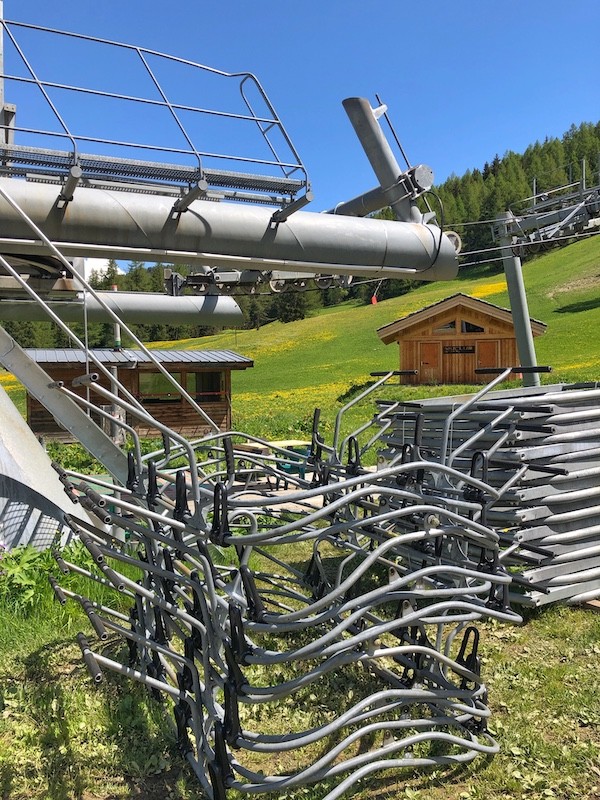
463	80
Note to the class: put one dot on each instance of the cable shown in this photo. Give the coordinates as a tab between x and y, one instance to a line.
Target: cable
391	127
529	244
477	222
479	263
525	200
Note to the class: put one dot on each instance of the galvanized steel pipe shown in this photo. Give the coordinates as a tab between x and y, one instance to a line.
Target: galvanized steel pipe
128	225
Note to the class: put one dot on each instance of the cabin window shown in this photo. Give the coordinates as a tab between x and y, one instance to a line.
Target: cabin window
470	327
447	327
205	387
156	388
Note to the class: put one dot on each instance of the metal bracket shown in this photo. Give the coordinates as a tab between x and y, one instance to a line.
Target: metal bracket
284	213
69	186
195	192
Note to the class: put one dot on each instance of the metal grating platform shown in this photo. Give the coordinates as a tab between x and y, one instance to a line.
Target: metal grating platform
32	162
231	138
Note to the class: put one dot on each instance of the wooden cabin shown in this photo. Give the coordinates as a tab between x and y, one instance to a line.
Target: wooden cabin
205	374
445	342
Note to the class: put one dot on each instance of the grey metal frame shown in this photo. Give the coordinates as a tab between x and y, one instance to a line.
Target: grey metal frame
416	570
235	185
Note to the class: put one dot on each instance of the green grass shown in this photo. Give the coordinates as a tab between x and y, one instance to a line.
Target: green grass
59	738
317	361
63	739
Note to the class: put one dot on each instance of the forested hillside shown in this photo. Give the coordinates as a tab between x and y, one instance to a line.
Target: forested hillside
464	203
509	182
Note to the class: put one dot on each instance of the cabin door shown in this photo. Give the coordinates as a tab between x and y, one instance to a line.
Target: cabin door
487	354
430	359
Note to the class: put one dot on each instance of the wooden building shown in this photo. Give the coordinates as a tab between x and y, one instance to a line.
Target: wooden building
445	342
205	374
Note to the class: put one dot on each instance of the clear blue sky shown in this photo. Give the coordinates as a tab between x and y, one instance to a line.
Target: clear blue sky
463	80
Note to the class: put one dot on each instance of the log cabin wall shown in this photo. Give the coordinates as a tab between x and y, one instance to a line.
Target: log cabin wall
446	342
41	421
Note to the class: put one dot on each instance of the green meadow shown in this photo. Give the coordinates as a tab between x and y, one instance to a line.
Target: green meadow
323	361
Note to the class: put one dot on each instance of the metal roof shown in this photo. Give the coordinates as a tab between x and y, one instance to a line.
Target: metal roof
220	358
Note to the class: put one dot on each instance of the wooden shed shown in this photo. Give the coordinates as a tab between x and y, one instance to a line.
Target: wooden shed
445	342
205	374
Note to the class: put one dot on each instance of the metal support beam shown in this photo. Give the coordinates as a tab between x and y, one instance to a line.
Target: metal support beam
285	212
26	475
362	205
65	411
126	225
518	301
131	307
195	192
70	184
364	120
7	110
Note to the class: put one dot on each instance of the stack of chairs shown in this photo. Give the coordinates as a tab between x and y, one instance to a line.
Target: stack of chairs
539	449
312	635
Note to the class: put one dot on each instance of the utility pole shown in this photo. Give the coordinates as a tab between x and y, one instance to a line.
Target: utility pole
518	300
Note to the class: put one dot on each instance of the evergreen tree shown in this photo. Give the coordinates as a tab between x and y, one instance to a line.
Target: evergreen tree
290	305
137	278
106	280
23	332
255	313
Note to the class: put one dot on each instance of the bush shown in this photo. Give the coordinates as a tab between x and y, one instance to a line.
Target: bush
24	575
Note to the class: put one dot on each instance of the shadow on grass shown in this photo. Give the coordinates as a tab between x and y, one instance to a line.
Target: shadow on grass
582	305
136	736
6	780
45	699
447	778
354	391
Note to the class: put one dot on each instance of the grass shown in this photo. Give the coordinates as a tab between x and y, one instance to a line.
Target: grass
320	361
541	679
63	739
59	738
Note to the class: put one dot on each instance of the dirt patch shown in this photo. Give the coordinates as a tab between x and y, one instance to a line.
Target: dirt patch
591	282
152	787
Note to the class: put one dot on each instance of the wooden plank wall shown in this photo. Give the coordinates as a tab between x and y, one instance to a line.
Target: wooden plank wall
178	415
457	354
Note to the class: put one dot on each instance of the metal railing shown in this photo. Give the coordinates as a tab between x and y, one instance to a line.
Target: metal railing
274	174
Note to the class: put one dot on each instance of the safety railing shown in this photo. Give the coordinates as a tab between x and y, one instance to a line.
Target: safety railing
183	151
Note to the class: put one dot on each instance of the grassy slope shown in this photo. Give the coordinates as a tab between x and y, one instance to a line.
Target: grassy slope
60	738
315	361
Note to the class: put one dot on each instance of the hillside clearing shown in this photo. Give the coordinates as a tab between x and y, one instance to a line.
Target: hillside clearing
320	361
